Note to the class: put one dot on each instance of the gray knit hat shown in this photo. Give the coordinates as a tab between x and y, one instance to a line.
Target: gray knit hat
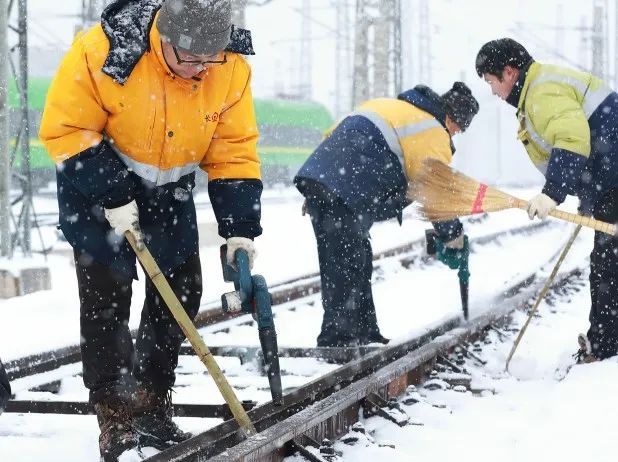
200	27
461	106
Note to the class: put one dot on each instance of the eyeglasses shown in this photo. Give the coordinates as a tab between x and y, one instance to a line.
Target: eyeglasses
198	61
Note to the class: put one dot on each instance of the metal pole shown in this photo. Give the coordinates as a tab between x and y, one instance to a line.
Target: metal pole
381	49
360	80
397	49
5	156
306	61
541	296
598	41
424	44
25	121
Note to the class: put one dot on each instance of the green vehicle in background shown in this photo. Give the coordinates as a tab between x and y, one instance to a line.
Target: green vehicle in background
289	131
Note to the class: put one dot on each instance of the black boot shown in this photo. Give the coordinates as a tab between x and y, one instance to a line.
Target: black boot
153	413
117	431
375	337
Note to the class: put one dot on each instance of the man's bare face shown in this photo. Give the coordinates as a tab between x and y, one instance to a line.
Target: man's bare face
502	87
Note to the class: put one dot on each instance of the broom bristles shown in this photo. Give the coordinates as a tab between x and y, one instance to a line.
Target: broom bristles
445	194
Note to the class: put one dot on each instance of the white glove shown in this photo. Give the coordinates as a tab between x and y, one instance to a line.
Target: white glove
235	243
457	243
541	205
126	218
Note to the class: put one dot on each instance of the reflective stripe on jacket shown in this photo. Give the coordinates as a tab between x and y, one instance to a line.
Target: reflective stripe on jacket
371	158
410	132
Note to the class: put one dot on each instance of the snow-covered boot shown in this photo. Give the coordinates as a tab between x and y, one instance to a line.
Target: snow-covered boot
584	354
116	425
153	412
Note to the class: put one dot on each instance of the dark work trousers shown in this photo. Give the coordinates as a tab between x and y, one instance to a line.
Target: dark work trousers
346	264
603	333
111	364
5	388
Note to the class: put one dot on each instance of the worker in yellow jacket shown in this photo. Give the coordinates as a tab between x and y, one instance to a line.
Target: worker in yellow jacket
363	172
568	125
143	100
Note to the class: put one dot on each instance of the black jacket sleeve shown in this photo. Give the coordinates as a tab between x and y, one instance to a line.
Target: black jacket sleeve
564	174
237	207
100	175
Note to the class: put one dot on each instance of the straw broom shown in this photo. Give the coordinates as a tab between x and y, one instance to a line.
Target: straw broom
444	194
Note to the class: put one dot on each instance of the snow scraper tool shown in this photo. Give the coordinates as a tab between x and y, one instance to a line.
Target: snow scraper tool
433	241
252	297
158	279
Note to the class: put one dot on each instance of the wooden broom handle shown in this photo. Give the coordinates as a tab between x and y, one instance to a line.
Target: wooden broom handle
203	352
587	222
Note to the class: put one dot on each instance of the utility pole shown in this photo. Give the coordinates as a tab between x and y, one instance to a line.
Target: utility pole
343	102
598	38
397	66
584	58
26	174
5	156
360	84
306	58
381	49
559	33
424	43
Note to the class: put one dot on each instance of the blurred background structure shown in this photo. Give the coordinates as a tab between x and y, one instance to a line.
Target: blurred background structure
315	60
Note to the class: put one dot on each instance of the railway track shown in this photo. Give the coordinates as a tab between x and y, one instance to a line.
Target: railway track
325	406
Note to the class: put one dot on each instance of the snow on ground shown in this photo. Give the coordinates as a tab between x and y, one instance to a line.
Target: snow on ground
534	412
407	300
286	250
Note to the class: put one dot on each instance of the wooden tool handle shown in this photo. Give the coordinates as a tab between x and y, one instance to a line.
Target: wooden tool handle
548	284
187	326
586	222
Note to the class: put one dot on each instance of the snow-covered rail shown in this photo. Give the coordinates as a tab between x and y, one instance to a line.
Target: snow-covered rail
48	372
330	405
212	316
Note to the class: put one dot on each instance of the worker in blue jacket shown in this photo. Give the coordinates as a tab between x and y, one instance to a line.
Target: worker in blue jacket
364	172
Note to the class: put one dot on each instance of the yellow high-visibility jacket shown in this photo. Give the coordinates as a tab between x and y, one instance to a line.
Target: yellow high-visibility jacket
567	126
142	138
371	159
411	132
161	126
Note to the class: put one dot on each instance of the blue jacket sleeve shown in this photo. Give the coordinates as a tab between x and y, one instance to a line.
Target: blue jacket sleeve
237	207
564	174
448	230
100	175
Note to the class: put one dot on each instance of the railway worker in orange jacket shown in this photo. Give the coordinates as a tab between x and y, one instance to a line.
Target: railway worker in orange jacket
155	92
362	173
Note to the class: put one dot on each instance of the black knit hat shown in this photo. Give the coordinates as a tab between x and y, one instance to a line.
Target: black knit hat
460	105
494	56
